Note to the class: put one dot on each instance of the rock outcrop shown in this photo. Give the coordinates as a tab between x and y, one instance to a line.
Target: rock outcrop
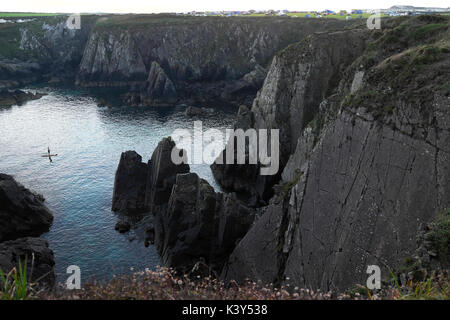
22	213
130	184
23	216
158	90
35	253
201	225
241	178
163	172
159	86
191	222
16	97
139	186
360	185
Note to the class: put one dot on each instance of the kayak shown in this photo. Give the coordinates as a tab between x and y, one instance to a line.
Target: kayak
46	155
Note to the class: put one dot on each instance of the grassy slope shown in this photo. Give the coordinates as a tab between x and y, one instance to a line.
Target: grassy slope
409	57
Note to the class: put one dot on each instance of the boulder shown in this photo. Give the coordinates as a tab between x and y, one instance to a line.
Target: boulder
130	184
22	212
193	111
123	226
37	255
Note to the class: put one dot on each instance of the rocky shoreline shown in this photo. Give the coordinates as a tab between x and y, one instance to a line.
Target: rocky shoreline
9	98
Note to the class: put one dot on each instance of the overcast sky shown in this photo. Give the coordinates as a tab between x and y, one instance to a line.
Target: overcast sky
149	6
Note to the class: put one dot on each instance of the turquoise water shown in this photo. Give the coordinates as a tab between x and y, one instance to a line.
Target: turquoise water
78	185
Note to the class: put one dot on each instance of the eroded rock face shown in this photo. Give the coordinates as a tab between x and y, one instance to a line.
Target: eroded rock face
158	90
111	57
300	77
139	186
130	184
163	172
209	61
359	187
39	259
159	85
201	224
238	177
22	213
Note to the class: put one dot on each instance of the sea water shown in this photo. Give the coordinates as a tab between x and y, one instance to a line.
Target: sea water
78	184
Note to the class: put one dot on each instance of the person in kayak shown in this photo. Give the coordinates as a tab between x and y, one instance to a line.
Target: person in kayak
49	157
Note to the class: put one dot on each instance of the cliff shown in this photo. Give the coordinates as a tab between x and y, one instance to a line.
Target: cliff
201	59
367	173
42	49
365	130
299	78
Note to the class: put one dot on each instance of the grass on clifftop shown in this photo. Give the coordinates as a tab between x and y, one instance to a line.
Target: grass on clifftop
407	62
25	14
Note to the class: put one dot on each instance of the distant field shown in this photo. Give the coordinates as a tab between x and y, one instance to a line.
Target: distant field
313	16
25	14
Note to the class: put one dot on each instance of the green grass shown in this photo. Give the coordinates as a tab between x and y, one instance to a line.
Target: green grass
25	14
14	285
440	237
432	288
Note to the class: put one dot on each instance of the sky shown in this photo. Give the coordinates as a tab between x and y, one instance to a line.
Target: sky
152	6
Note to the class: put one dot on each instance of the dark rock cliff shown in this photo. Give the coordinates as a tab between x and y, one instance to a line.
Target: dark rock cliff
201	225
300	77
43	49
207	59
154	59
130	184
369	171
